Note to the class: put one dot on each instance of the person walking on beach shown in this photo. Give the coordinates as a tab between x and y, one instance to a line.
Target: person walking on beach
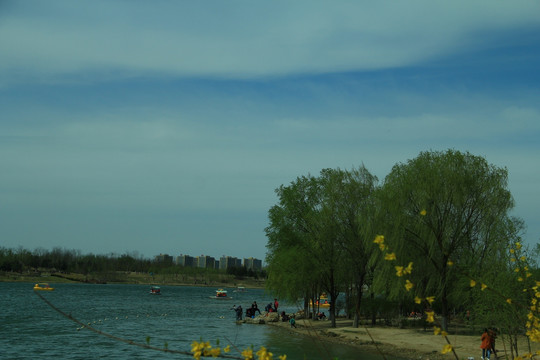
486	345
292	322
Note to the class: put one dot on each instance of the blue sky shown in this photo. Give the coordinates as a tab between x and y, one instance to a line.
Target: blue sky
164	127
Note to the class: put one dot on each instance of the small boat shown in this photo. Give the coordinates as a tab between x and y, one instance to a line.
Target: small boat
221	295
323	302
155	290
240	289
43	287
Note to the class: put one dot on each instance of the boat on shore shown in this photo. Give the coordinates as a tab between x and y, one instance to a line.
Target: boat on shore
323	302
155	290
221	295
43	287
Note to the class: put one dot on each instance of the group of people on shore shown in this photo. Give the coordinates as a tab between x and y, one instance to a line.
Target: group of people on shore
488	343
251	311
270	308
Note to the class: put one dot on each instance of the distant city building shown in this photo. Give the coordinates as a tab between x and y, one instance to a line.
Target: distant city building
185	260
253	264
227	262
163	258
205	261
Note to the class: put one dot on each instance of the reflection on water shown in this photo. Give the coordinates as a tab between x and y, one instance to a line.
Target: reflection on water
32	330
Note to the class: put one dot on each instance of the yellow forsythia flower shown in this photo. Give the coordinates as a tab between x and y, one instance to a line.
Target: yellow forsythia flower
408	285
408	269
509	301
512	251
520	278
227	348
523	258
247	354
449	263
379	239
484	286
528	274
282	357
399	270
473	283
444	333
390	257
215	352
423	212
382	247
518	245
417	300
430	299
446	349
430	315
436	330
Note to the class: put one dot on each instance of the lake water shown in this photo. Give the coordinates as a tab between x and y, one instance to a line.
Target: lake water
31	329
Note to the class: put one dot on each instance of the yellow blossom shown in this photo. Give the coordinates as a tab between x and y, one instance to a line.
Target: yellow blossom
399	270
408	269
382	247
520	278
516	269
523	258
446	349
528	274
473	283
215	352
512	251
436	330
282	357
518	245
449	263
227	348
509	301
247	354
430	299
512	259
390	257
423	212
379	239
408	285
444	333
417	300
484	287
430	315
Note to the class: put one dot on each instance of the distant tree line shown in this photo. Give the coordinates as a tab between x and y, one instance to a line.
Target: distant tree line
73	261
445	218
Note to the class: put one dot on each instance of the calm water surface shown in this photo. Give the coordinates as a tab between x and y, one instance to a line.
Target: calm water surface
30	329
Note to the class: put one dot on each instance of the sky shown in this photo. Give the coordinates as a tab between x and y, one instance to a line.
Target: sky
164	127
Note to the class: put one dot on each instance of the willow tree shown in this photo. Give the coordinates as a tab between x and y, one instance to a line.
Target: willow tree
350	196
303	230
443	209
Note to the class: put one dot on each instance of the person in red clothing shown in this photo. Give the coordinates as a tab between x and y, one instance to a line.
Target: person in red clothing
486	345
275	305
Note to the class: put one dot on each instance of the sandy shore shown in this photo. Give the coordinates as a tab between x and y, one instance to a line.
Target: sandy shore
394	342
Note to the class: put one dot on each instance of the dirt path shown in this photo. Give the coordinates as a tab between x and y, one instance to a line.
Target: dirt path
408	343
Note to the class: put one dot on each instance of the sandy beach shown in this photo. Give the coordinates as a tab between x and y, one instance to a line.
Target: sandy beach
394	342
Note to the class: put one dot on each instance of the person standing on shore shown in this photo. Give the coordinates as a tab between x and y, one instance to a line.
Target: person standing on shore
486	345
276	304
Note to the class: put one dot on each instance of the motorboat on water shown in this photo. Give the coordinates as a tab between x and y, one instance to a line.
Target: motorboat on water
43	287
155	290
221	295
240	289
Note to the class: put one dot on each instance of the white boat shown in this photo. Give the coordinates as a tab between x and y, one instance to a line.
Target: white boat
240	289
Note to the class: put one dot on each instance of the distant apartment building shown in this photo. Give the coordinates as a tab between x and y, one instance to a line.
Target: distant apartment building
164	259
253	264
205	261
227	262
185	260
